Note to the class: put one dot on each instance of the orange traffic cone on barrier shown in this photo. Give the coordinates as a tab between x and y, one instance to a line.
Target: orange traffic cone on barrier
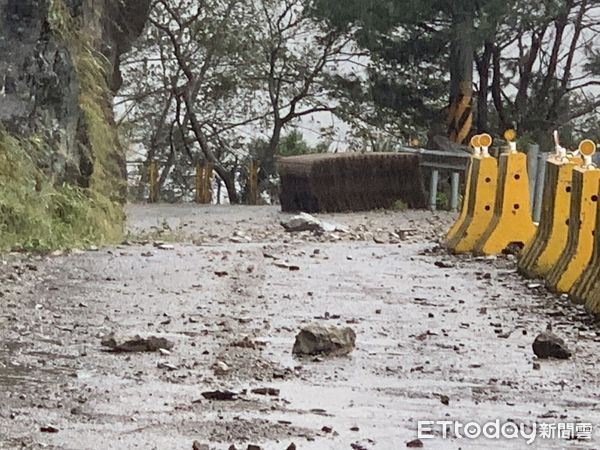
550	240
511	222
480	207
582	224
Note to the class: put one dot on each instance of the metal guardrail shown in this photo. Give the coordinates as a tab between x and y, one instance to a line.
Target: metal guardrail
457	162
447	161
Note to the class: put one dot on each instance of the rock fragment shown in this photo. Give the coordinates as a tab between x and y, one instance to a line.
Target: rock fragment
302	222
220	395
306	222
137	344
266	391
320	340
548	345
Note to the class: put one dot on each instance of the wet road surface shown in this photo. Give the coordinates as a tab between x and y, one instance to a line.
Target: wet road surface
433	343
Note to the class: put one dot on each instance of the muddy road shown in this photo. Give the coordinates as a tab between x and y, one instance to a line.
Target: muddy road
438	338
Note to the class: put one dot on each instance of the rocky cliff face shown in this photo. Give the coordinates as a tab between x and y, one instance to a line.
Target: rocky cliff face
59	70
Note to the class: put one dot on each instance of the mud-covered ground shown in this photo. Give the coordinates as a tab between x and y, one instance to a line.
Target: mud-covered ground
445	341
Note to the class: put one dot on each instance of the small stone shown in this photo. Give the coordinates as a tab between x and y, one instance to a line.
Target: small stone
254	447
444	399
166	365
536	366
221	368
49	429
357	446
266	391
444	265
220	395
415	443
199	446
380	239
292	446
548	345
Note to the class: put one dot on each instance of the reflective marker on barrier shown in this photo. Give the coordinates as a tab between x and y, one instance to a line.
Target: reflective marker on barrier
511	222
582	223
481	200
550	240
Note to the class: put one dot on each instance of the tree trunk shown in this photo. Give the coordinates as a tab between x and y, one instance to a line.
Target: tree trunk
483	69
460	114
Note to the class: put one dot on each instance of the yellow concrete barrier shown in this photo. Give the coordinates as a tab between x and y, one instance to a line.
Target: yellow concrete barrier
582	223
592	300
581	290
480	208
584	285
465	203
590	294
550	240
511	222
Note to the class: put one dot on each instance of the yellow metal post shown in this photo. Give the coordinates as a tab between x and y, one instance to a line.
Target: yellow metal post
153	181
480	209
204	172
208	176
511	223
582	223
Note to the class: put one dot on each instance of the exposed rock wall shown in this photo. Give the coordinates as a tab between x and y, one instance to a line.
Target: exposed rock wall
59	70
